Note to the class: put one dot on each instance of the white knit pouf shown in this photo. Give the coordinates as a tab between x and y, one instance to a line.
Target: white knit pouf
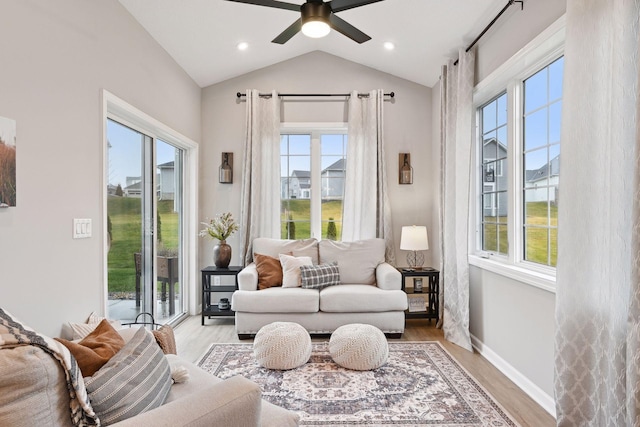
359	347
282	345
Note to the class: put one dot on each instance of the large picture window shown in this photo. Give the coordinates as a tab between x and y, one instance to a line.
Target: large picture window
312	172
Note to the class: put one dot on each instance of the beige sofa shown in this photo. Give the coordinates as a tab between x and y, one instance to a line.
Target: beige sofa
33	392
369	291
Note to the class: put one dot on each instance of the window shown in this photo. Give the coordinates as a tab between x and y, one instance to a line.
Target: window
312	172
542	96
518	120
494	181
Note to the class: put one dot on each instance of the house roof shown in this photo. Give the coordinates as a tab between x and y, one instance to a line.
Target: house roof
167	165
301	174
337	166
550	169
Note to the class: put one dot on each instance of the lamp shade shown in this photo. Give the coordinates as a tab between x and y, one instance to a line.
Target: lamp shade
414	238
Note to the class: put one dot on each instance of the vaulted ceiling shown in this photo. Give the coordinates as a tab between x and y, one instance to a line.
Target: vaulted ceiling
203	35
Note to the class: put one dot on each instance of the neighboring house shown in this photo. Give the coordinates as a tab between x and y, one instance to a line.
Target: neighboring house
165	183
333	181
493	178
133	190
297	186
543	180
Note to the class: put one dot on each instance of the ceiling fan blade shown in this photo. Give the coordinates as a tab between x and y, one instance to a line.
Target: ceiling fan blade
347	29
340	5
271	3
291	31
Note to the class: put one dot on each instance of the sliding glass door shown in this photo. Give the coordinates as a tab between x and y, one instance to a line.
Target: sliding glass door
145	218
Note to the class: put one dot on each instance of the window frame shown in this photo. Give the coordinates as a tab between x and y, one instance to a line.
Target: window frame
315	130
538	54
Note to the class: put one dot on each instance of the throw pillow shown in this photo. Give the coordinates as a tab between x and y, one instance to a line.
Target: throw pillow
320	276
81	330
135	380
96	348
166	339
291	269
269	271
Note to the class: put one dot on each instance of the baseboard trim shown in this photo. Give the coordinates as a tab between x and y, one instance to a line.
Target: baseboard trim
536	393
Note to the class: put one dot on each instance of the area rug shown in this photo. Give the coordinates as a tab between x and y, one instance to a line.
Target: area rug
420	385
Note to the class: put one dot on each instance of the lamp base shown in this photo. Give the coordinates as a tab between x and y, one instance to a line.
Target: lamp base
415	259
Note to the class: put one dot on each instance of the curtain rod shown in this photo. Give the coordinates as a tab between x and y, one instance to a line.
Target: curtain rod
504	9
365	95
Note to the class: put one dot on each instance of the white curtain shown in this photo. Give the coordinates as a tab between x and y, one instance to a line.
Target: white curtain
597	362
366	209
260	199
456	137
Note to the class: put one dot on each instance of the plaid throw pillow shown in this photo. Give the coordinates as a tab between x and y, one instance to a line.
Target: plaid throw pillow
319	276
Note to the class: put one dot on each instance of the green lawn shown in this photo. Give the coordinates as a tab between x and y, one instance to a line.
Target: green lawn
299	209
125	215
536	239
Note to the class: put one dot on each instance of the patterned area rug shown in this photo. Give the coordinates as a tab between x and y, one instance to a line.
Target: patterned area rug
420	385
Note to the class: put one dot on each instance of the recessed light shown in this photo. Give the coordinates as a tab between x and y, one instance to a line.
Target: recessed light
243	46
389	46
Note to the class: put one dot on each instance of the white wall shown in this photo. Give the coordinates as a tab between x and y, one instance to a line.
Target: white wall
407	128
512	323
57	56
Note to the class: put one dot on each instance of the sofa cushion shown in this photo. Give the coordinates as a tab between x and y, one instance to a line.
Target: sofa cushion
134	381
269	271
357	260
319	276
96	348
276	300
291	277
275	247
340	299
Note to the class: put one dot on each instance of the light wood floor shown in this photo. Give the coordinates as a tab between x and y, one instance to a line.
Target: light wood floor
193	340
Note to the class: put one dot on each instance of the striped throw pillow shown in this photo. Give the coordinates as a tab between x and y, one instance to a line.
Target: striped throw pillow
135	380
319	276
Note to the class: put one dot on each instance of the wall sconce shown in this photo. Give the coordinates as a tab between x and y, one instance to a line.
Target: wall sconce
226	169
405	169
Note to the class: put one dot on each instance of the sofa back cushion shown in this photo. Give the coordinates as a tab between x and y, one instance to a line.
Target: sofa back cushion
275	247
357	261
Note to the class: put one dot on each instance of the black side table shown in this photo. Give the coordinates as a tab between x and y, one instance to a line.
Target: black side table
430	288
208	288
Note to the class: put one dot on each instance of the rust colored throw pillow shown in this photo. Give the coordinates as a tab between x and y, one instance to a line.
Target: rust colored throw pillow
269	271
96	348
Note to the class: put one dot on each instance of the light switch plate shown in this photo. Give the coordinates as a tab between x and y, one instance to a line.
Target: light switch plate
81	228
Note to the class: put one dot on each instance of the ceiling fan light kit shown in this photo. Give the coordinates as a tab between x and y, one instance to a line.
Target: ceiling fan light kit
317	18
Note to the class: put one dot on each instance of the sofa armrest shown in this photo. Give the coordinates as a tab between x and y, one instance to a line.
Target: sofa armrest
248	278
388	277
232	402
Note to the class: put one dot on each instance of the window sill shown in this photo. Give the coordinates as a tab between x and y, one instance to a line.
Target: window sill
539	280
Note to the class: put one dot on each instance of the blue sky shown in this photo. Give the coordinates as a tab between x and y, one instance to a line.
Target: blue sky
125	153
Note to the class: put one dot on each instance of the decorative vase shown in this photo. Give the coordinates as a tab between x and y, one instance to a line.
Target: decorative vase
222	254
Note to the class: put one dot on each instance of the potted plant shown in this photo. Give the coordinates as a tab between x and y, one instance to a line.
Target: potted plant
220	228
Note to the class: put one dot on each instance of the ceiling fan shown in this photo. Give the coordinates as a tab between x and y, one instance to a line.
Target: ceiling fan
317	18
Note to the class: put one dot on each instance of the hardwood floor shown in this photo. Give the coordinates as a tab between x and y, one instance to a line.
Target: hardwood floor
193	340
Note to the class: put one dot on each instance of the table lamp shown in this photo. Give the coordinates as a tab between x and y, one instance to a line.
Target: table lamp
414	238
